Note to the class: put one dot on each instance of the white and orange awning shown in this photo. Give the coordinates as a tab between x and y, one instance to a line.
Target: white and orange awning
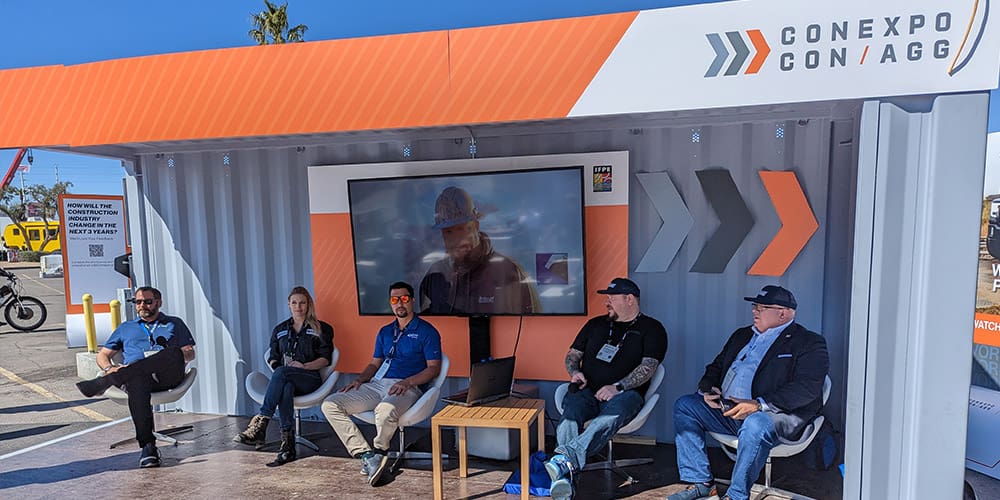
753	52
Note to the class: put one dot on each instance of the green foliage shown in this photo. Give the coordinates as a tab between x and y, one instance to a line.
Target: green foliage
14	203
30	256
270	26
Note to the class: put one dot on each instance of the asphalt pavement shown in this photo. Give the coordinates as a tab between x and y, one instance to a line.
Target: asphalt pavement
38	399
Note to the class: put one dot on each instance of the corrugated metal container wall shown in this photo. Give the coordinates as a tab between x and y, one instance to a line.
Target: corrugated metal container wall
227	232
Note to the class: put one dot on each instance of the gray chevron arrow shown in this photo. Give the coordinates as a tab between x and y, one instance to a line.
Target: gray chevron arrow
677	222
721	54
735	221
741	52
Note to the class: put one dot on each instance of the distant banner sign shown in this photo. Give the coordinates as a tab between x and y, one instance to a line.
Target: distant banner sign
93	234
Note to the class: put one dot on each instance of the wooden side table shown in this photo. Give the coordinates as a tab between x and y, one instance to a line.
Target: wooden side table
509	413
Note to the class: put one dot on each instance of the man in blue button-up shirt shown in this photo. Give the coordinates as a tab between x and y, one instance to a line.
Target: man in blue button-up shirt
765	386
154	348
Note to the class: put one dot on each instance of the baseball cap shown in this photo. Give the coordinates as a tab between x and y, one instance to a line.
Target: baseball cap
774	295
621	286
454	206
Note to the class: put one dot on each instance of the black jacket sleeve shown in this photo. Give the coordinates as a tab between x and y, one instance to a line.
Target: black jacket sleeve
274	359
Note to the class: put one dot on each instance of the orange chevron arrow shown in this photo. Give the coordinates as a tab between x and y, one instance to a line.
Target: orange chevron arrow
797	224
763	49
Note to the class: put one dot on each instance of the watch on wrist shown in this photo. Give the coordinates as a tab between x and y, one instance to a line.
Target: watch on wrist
620	387
760	407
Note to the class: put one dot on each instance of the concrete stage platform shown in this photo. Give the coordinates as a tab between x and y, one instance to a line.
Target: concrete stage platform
207	464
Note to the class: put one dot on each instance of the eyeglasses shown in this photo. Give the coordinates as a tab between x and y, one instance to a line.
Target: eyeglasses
761	307
148	302
402	298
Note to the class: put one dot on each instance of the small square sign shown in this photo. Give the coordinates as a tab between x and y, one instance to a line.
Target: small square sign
602	178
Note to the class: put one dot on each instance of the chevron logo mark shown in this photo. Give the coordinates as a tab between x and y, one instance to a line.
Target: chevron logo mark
677	222
798	224
735	221
740	53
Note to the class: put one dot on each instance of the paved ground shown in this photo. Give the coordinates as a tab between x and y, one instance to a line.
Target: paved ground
38	401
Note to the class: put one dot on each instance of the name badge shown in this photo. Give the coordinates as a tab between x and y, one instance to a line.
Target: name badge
607	353
382	370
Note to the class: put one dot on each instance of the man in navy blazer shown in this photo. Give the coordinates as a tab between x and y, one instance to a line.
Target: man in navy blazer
764	387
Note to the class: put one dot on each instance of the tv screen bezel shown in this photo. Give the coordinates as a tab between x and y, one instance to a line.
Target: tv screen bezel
579	168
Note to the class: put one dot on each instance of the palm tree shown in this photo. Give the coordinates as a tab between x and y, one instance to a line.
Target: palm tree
271	26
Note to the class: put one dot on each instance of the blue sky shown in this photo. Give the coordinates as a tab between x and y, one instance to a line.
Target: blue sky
73	32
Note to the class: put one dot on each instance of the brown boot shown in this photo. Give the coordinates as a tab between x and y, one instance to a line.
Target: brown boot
255	432
287	451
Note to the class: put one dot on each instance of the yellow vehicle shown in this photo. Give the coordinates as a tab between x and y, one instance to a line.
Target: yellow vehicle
13	238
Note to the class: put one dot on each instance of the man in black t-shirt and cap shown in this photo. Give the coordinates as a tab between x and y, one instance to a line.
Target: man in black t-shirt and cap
609	364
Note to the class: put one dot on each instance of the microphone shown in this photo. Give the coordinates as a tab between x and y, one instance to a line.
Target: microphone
161	341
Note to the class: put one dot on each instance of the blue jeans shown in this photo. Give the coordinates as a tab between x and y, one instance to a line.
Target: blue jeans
693	417
285	384
605	417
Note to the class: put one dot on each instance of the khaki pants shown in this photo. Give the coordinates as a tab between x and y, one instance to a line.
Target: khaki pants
372	395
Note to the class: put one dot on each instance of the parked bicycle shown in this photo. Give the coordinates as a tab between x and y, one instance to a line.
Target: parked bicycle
21	311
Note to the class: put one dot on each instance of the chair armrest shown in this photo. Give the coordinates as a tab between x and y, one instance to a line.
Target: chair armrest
256	384
640	418
316	397
422	408
560	395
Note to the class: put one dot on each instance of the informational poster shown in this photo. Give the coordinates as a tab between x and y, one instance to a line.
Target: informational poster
93	234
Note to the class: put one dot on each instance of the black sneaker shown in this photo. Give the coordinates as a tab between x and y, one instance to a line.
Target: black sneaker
150	456
94	387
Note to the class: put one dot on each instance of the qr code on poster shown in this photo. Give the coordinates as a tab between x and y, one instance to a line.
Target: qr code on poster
97	250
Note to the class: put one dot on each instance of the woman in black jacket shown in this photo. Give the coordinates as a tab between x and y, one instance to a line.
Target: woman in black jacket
300	347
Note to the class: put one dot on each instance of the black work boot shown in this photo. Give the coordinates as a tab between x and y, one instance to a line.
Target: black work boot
94	387
286	453
256	430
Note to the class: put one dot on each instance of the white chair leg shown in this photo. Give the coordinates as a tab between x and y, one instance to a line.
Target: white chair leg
609	463
301	439
403	454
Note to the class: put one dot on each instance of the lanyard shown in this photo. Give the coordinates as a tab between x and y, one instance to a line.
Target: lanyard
611	331
398	333
150	331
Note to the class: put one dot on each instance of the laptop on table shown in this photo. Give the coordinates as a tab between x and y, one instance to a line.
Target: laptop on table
488	381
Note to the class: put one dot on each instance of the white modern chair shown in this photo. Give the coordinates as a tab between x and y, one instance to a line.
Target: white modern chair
157	398
256	384
420	411
730	443
609	463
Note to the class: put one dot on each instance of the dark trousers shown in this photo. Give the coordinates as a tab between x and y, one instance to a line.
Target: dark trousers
159	372
286	383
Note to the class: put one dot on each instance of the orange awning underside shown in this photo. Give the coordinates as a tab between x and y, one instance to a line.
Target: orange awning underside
503	73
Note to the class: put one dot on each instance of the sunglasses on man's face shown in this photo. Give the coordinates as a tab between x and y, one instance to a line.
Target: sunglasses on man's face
148	302
402	298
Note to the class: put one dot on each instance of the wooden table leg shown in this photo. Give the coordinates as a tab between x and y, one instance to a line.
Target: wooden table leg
436	459
525	460
463	456
541	429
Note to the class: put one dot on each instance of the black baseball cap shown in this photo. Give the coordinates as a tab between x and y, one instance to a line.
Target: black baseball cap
621	286
774	295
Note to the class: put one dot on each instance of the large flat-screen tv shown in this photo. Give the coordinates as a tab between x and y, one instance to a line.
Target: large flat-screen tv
482	243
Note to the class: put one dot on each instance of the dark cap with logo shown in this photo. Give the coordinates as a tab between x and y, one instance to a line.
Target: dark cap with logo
774	295
621	286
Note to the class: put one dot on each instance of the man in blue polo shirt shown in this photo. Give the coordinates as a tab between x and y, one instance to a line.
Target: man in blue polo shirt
407	356
154	349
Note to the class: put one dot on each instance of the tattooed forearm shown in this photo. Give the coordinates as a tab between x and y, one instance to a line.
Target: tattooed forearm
573	358
641	374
